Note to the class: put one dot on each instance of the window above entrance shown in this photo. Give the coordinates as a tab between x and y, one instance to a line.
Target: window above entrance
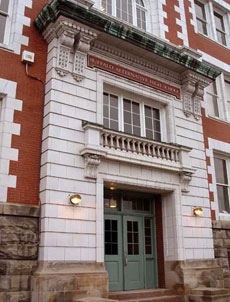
128	201
131	11
131	117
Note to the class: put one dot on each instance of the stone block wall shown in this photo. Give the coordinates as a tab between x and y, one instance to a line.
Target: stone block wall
221	236
19	225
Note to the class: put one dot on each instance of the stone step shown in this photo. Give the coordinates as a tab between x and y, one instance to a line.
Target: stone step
161	295
22	296
155	299
94	299
210	294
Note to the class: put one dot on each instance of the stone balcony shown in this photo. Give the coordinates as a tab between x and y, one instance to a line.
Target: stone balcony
119	146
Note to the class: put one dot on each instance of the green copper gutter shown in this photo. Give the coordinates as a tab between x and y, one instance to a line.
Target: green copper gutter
51	11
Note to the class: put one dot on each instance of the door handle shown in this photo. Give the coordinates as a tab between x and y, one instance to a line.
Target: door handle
125	259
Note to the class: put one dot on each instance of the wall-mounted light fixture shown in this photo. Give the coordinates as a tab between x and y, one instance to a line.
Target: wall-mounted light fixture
197	211
75	199
112	202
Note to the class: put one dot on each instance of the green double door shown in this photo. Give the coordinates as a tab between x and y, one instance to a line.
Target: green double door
129	252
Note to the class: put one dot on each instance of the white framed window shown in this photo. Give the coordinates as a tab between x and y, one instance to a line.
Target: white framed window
212	100
12	22
217	98
130	11
5	20
132	115
212	21
222	172
220	28
201	17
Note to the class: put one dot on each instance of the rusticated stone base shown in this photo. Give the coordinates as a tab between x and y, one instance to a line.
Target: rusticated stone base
68	281
221	235
182	276
18	250
209	294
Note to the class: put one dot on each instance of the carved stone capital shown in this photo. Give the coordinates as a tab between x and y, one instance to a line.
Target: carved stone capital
73	42
79	65
185	178
65	44
192	93
83	40
197	97
92	161
82	46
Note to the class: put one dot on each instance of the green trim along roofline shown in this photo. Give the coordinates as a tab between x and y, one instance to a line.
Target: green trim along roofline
90	17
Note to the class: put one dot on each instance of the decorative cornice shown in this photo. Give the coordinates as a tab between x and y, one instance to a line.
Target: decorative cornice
135	61
106	24
133	75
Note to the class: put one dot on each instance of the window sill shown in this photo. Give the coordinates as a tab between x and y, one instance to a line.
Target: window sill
224	216
212	40
6	47
218	119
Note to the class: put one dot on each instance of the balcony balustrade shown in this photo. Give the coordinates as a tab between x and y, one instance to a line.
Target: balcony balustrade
105	143
124	142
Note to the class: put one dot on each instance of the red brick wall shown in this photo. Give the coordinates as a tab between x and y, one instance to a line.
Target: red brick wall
173	27
198	41
212	128
31	92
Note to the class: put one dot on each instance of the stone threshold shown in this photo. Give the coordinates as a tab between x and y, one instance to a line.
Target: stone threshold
94	299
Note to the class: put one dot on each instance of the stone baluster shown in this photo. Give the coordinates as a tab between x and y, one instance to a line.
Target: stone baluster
154	150
117	141
158	151
149	149
177	155
168	154
144	148
122	143
111	141
128	144
163	152
106	140
138	147
134	145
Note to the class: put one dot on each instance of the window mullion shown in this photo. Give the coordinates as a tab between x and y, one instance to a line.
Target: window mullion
219	97
228	173
142	119
134	9
132	117
114	7
228	178
211	28
222	101
121	113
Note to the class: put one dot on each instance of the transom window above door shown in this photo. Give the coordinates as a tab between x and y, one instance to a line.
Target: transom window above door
131	11
131	116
